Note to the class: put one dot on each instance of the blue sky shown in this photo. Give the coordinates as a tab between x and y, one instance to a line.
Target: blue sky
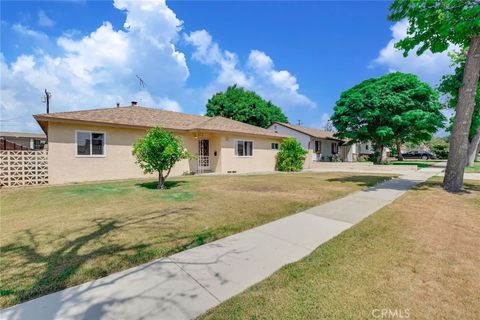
300	55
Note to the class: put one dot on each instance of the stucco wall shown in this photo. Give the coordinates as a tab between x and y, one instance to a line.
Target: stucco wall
304	139
119	163
263	158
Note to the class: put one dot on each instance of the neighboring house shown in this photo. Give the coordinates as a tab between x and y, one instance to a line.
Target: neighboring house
97	144
321	145
351	152
22	141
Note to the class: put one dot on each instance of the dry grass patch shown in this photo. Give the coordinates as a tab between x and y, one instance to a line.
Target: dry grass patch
59	236
419	254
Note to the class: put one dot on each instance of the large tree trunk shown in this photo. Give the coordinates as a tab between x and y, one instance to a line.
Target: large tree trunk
473	148
381	155
399	151
453	181
161	181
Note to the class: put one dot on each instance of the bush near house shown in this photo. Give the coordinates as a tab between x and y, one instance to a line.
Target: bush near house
291	156
440	150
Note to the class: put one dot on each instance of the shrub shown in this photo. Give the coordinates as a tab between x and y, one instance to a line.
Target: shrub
363	158
440	150
291	155
336	158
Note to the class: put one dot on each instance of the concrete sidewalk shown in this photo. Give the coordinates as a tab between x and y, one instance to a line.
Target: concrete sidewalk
187	284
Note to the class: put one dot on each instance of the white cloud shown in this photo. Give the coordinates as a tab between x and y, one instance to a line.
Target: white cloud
28	32
99	69
430	67
279	86
44	20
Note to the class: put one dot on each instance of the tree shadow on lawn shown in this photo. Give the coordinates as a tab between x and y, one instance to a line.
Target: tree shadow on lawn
468	187
362	181
168	184
64	262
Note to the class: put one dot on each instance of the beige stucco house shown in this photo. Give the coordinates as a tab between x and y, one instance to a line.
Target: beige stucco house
97	144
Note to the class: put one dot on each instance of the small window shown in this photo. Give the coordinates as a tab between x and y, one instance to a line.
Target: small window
366	147
244	148
90	143
318	146
38	144
334	148
275	145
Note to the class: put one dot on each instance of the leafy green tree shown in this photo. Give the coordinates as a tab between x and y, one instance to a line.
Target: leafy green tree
244	106
393	109
450	86
158	152
435	25
291	155
440	150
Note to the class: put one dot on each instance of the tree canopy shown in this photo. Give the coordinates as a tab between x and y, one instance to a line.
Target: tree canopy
245	106
396	107
158	152
435	24
450	85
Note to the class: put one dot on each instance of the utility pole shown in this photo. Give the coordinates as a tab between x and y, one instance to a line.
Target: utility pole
46	99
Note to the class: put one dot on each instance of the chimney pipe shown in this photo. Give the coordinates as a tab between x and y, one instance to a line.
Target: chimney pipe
134	103
118	104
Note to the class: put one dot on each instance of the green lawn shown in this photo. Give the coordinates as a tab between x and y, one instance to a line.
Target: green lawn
418	163
59	236
418	255
474	168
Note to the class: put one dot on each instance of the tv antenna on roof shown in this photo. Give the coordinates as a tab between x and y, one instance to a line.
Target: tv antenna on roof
46	99
299	122
142	83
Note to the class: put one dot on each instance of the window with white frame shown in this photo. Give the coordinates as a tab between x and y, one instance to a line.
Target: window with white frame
244	148
90	143
275	145
318	146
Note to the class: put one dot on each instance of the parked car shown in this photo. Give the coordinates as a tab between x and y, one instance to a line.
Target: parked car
424	155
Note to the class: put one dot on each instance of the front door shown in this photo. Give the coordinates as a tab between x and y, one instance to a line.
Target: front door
203	154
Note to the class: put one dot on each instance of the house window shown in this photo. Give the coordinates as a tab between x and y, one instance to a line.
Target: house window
90	143
38	144
334	148
275	145
366	147
318	146
244	148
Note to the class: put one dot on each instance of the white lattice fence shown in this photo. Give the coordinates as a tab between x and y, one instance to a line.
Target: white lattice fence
23	168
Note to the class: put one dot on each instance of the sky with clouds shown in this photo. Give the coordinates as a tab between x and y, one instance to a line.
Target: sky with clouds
92	54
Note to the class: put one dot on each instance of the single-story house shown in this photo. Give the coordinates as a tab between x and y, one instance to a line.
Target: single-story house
321	145
22	140
351	152
96	144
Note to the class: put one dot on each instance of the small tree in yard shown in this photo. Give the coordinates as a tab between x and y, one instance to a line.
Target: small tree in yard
158	152
291	155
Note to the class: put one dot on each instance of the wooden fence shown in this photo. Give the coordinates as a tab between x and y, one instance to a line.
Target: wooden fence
23	168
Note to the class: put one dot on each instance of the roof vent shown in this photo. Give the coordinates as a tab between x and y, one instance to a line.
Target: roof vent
118	104
134	103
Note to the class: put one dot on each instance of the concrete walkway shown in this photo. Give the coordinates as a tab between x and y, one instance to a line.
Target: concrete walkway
187	284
